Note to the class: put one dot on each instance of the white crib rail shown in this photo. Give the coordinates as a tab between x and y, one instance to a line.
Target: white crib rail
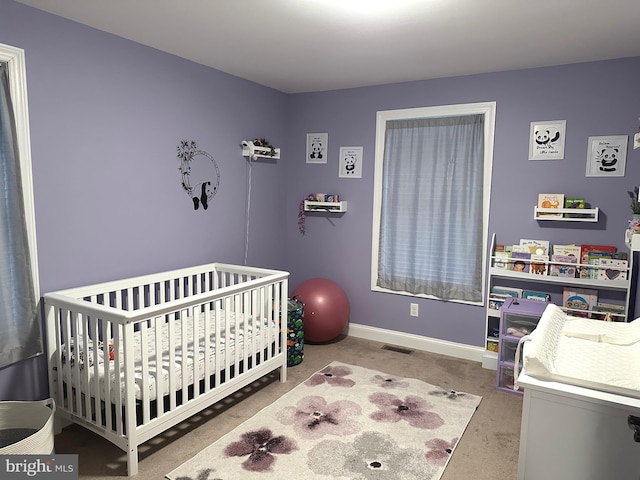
112	320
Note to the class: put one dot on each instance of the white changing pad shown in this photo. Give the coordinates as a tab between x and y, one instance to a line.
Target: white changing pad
584	352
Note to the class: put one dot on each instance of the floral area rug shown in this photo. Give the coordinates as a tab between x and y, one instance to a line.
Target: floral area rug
343	422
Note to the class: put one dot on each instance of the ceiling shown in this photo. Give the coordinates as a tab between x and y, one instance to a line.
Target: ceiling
315	45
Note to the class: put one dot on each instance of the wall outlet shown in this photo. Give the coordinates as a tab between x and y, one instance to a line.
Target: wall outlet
413	311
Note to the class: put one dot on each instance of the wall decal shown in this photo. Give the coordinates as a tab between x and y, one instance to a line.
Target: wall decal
200	179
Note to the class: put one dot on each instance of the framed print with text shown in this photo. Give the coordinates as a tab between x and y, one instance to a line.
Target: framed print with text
607	156
317	147
350	162
546	140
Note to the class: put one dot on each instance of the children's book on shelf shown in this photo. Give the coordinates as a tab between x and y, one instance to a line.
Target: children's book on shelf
563	267
539	264
531	295
616	311
535	247
520	262
550	200
612	269
570	250
501	259
510	291
574	202
580	299
590	250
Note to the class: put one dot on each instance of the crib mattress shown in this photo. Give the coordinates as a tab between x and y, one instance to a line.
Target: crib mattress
584	352
228	342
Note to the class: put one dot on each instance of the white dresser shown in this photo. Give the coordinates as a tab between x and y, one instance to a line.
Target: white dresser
575	433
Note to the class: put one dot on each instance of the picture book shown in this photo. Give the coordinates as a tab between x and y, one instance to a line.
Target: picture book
544	297
550	200
512	292
563	268
578	301
572	202
616	311
612	269
539	264
586	250
536	247
570	250
501	259
520	262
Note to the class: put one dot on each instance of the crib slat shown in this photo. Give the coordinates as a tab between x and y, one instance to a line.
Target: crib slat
144	367
159	325
106	335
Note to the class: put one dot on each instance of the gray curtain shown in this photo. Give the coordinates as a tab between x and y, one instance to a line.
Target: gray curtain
20	332
432	207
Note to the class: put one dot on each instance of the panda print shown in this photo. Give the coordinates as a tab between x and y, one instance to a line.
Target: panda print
547	138
608	158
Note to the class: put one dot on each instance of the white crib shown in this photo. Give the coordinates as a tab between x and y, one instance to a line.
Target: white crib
129	359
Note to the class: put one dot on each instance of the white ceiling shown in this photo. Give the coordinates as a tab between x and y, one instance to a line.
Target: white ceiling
315	45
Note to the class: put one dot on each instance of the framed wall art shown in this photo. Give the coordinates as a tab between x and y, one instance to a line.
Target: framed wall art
546	140
607	156
317	147
350	162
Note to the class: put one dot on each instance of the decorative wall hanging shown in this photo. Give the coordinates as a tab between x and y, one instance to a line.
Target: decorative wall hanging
607	156
200	177
546	140
350	162
317	147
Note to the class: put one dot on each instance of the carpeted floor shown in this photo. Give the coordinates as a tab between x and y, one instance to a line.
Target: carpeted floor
487	451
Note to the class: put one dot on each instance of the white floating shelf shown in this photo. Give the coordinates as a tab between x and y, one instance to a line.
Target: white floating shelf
332	207
577	214
254	152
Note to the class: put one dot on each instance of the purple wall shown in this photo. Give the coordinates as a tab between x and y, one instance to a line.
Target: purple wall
107	114
594	98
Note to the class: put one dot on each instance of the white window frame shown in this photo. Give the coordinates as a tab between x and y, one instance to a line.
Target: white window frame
488	109
15	59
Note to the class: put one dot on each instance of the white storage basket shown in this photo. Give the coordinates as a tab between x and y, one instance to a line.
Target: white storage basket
38	416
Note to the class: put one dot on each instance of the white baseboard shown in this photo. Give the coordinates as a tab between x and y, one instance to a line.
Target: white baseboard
418	342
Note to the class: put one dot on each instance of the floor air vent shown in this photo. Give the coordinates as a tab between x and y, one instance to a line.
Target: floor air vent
397	349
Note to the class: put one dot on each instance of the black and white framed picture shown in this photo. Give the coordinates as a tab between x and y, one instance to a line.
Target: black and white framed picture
350	162
317	144
607	156
546	140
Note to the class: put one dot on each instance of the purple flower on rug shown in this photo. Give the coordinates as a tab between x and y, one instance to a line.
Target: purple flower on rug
389	381
261	446
372	455
412	409
451	394
440	450
314	418
333	375
202	475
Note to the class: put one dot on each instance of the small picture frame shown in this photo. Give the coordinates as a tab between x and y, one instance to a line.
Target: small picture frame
607	156
350	162
546	140
317	144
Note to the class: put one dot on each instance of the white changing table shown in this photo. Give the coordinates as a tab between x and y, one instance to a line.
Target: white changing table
575	433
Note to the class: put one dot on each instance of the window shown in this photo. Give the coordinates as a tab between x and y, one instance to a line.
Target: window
19	287
431	201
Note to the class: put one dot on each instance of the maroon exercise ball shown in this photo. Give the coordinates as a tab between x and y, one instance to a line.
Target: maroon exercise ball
326	309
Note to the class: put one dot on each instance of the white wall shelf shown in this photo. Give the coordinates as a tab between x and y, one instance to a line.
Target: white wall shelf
254	152
332	207
577	215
